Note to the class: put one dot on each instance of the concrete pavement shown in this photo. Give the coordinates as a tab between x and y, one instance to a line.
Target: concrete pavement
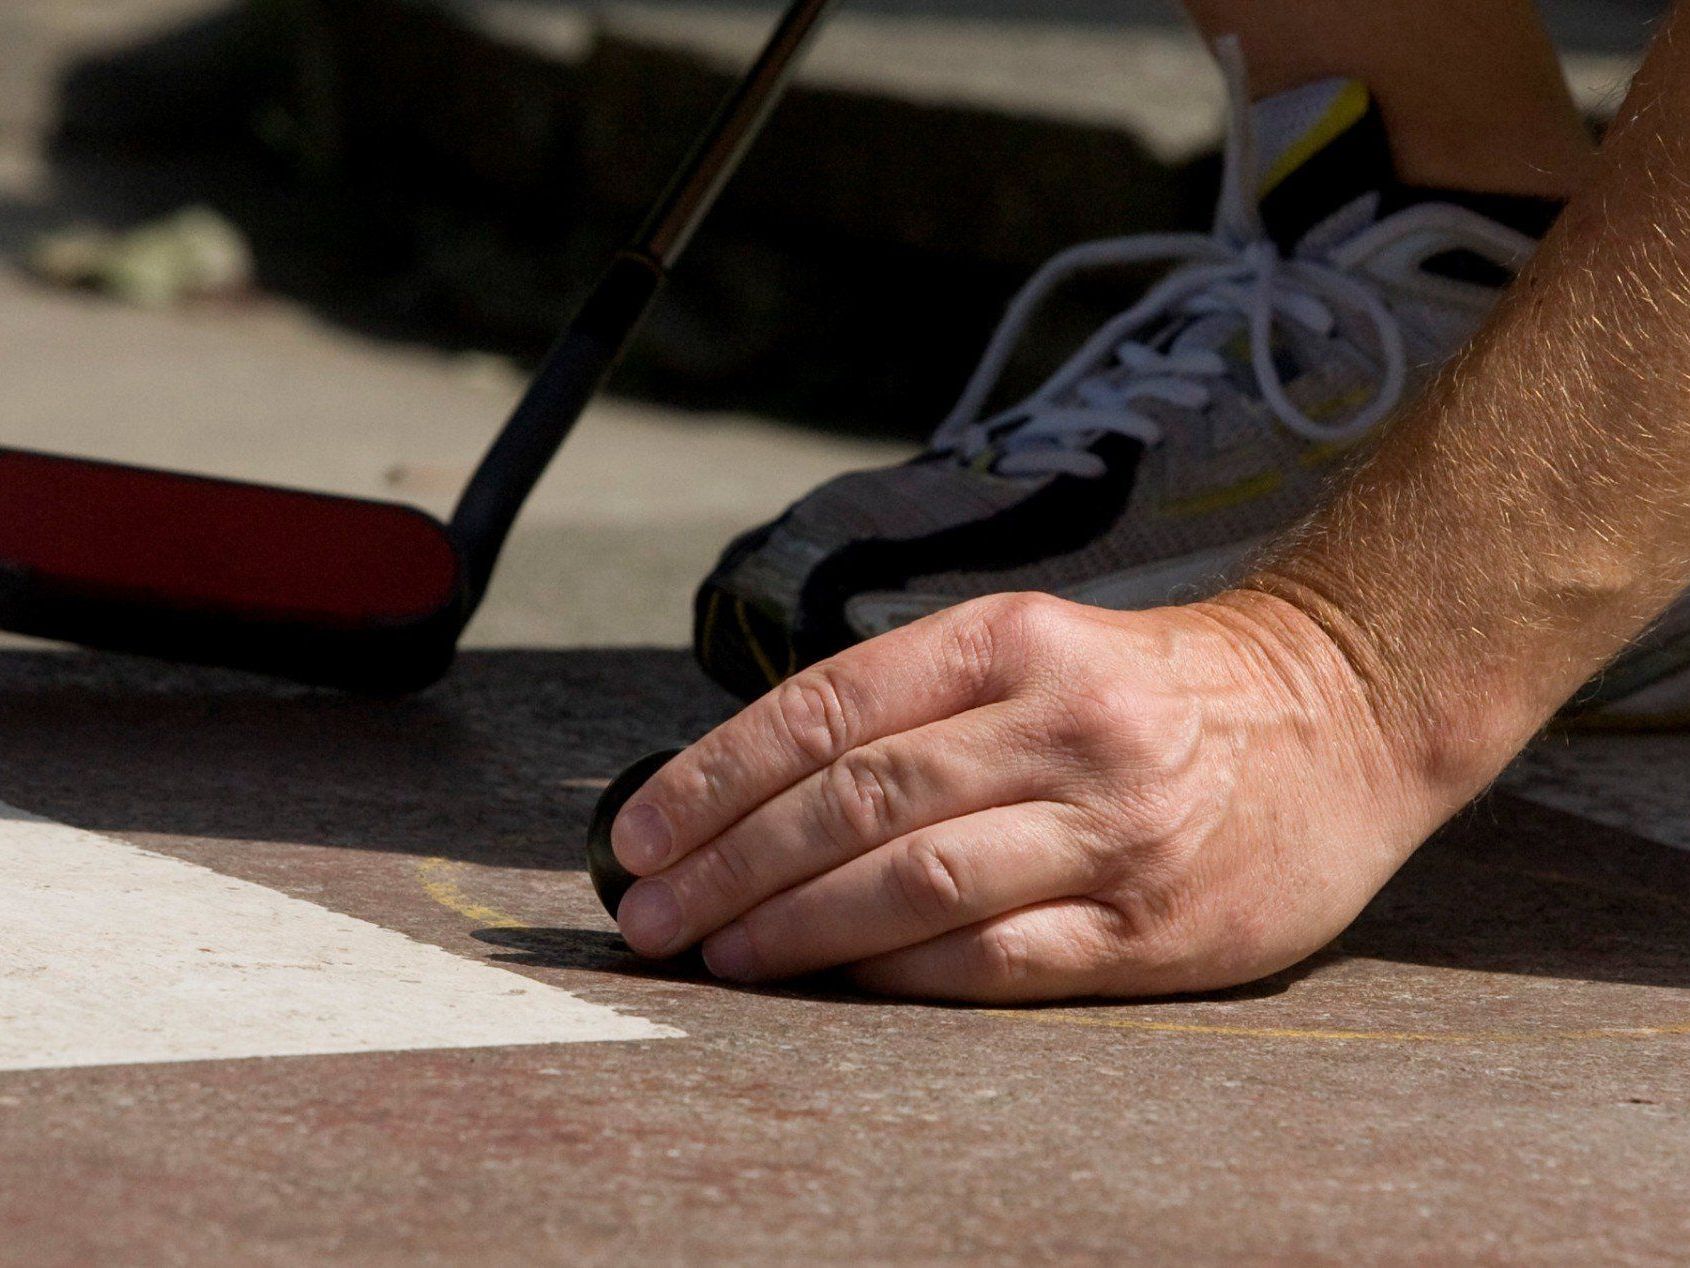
1490	1066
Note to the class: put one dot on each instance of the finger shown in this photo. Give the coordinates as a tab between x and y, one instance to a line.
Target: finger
933	669
906	892
1058	950
871	795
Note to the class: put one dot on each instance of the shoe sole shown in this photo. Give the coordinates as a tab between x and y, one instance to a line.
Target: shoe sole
743	650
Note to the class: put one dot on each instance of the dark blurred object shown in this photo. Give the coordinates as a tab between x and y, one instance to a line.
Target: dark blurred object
172	93
417	177
403	168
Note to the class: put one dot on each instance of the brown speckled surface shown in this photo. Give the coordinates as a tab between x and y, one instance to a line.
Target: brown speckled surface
1491	1065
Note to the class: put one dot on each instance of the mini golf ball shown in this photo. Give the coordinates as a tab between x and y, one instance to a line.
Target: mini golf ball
610	879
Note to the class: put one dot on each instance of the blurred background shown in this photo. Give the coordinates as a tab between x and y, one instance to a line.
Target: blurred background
318	242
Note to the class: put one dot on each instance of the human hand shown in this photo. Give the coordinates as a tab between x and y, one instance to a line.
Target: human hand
1023	798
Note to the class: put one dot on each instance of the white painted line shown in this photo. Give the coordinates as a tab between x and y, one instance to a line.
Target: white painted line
1638	783
110	954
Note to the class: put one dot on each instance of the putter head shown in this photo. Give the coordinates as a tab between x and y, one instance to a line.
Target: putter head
362	595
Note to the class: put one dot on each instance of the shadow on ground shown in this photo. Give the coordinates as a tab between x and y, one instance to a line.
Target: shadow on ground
596	950
501	765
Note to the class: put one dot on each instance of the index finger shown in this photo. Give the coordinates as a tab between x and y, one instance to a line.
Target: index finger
922	673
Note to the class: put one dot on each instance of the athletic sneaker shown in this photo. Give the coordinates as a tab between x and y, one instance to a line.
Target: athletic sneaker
1185	433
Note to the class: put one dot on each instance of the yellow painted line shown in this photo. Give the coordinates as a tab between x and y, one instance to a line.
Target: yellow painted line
1342	1036
435	876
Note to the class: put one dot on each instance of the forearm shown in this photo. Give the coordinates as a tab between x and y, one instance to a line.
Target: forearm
1532	514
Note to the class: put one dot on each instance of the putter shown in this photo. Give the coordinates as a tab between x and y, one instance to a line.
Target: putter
334	591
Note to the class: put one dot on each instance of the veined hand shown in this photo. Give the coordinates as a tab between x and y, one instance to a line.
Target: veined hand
1026	799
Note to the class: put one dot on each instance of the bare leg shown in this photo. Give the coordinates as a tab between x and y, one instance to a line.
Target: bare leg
1470	89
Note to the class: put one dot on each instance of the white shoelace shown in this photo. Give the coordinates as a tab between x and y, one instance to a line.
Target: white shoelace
1235	269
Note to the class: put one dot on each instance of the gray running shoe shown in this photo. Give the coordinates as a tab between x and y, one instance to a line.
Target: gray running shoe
1185	433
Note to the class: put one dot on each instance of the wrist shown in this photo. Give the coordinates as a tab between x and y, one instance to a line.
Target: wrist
1441	735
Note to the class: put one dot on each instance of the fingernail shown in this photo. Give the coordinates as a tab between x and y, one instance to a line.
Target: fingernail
649	917
728	955
641	837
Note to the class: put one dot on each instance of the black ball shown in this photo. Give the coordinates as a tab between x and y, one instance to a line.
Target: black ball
610	879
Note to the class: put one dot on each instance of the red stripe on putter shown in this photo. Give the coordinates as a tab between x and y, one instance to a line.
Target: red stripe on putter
102	530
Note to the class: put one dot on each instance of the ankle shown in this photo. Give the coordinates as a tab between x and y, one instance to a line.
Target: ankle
1537	153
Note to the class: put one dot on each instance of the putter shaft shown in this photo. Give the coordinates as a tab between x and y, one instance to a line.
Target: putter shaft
584	356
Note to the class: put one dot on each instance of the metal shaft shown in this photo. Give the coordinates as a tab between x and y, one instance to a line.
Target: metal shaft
714	159
583	357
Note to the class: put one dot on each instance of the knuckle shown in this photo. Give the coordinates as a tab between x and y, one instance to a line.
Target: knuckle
973	650
1150	925
929	883
728	870
1033	618
1006	958
861	793
701	778
1121	722
997	627
815	711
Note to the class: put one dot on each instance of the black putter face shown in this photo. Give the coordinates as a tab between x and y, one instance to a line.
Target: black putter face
610	879
339	591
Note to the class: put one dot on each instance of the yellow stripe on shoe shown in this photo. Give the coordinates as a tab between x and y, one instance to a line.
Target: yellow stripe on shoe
1347	109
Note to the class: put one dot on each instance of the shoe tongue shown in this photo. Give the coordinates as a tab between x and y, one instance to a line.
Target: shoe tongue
1318	149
